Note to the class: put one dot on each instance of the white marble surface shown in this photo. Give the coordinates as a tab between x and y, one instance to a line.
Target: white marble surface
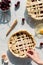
6	21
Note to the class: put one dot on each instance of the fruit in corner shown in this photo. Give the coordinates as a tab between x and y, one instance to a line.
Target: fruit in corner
5	4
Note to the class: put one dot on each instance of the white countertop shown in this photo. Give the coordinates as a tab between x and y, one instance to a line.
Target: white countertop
6	20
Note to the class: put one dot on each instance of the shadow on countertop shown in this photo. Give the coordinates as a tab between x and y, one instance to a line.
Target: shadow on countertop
30	21
5	17
17	61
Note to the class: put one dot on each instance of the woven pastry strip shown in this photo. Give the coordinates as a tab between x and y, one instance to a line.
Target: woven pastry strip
20	42
35	9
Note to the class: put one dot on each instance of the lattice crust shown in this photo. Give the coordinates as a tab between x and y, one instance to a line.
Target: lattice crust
35	8
20	42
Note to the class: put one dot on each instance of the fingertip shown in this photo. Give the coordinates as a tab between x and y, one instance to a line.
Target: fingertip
30	52
28	49
27	54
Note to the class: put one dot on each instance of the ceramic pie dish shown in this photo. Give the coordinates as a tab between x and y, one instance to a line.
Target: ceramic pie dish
19	42
35	9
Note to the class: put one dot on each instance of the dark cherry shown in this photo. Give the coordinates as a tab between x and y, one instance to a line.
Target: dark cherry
41	43
9	1
18	3
7	8
0	4
30	52
23	19
3	8
15	5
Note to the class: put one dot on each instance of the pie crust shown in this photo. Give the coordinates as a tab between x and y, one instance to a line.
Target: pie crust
20	42
35	9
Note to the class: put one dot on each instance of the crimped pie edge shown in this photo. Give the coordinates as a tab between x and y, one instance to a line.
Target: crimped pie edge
10	48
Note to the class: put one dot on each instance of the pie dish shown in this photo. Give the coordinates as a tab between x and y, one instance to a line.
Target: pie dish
20	42
35	9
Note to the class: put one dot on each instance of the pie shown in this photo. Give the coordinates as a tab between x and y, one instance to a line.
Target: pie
20	42
35	9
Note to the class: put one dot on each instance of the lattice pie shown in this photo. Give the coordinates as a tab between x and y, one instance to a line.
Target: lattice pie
20	42
35	8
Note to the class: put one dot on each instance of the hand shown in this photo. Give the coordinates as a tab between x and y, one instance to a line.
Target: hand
34	56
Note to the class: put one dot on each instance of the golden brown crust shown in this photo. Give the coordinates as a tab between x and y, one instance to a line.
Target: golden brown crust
20	42
35	9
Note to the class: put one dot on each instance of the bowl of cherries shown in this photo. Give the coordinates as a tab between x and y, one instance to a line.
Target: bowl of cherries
5	5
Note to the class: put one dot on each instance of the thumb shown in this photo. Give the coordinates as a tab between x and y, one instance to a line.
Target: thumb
29	55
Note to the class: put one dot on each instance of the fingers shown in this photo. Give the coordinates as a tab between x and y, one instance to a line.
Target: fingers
30	52
29	55
30	49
